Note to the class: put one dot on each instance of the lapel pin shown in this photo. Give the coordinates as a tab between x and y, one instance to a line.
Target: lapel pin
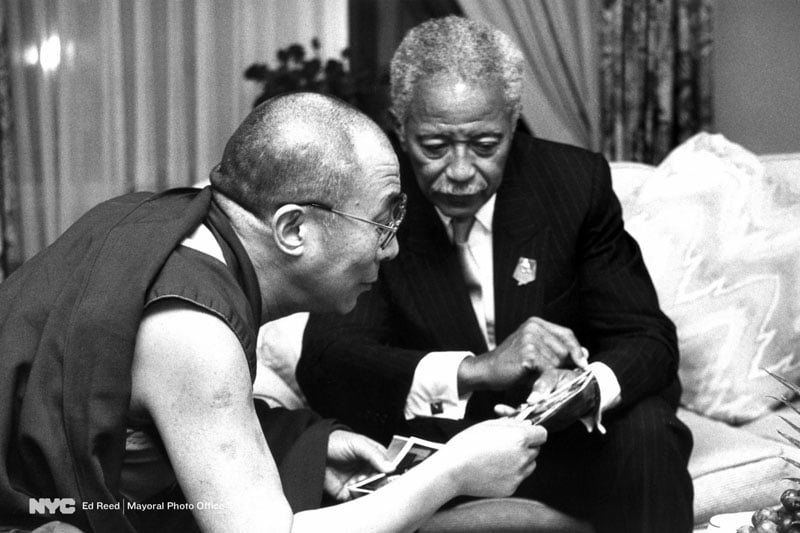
525	272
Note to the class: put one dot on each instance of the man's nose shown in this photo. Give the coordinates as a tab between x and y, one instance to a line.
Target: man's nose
461	168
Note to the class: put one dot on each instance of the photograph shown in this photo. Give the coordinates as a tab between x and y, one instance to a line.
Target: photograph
383	266
413	452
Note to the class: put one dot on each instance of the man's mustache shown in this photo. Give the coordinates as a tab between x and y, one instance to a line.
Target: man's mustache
445	186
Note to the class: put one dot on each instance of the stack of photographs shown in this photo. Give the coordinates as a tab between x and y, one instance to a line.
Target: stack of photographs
407	452
544	409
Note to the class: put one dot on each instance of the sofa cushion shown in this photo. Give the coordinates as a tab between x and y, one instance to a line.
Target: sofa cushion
733	469
721	240
768	425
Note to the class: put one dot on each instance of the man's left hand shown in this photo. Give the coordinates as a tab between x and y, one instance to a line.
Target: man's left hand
351	458
548	381
585	403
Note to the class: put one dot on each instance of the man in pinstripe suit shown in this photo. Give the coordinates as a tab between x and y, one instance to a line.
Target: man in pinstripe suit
514	265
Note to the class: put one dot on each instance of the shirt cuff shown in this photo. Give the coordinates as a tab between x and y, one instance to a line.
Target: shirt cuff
434	390
609	391
608	385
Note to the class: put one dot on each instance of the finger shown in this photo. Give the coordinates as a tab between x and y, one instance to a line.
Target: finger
528	469
544	384
343	495
550	351
566	345
542	346
373	453
536	436
358	478
534	350
504	410
537	356
582	360
531	454
535	397
551	346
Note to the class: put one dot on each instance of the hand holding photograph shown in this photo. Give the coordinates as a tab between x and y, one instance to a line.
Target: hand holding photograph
408	452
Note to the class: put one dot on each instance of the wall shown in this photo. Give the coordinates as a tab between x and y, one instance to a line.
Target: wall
757	73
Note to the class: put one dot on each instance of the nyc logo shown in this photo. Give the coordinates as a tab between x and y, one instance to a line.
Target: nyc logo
51	505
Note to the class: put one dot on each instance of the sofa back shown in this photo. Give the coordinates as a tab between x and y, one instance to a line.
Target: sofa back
719	228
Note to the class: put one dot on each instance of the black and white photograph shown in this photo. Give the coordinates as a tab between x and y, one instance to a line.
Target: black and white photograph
383	266
411	453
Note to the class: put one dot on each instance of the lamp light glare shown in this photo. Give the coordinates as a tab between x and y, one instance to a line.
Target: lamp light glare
50	53
31	55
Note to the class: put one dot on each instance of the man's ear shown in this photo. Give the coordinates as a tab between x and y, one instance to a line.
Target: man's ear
289	230
399	130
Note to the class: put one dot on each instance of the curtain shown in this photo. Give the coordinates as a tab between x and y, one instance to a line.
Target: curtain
110	96
560	98
656	76
376	29
8	205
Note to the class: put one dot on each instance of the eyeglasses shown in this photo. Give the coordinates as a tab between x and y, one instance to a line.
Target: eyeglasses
386	232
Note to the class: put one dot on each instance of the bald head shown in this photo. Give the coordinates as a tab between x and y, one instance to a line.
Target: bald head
299	147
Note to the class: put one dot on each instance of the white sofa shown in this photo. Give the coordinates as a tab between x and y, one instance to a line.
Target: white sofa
718	227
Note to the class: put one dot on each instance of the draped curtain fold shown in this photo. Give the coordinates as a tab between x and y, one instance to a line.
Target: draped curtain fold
110	96
9	222
559	40
656	76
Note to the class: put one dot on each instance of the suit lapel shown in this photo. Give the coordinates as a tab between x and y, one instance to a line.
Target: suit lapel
434	280
437	285
519	230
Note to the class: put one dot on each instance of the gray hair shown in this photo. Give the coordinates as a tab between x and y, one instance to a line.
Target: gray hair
292	148
460	47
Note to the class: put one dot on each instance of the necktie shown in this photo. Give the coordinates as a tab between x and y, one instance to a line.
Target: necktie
469	267
471	271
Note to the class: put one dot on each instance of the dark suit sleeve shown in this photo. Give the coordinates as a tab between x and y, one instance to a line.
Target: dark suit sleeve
621	322
352	369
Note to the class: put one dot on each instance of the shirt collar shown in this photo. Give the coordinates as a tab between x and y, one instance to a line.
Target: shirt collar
483	217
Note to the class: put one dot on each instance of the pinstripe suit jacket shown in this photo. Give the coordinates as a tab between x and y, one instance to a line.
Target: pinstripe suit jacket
555	205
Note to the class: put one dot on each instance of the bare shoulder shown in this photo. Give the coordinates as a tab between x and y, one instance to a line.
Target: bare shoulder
181	348
190	376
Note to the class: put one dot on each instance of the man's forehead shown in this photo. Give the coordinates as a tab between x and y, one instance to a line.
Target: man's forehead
453	100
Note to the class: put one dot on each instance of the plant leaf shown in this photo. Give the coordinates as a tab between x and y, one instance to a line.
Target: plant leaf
786	402
791	439
785	382
792	424
791	461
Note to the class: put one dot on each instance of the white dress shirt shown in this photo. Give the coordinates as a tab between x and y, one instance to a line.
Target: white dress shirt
434	390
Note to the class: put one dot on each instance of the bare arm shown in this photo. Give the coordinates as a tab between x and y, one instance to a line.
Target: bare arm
190	374
489	459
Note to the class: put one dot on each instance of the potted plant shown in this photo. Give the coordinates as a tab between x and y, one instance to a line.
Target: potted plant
298	71
783	517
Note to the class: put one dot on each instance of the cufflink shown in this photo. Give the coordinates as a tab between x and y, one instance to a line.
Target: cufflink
437	408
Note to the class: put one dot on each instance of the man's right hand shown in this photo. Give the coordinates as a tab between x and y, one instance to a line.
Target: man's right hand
493	457
537	345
